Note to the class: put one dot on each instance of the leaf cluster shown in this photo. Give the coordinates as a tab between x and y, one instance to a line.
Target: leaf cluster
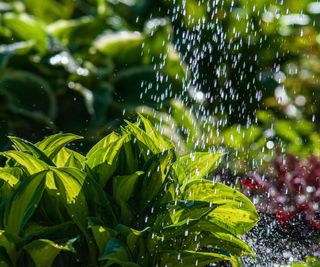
130	201
81	67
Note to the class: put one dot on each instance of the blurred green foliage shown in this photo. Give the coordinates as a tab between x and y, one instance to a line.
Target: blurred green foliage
81	66
247	147
253	55
310	262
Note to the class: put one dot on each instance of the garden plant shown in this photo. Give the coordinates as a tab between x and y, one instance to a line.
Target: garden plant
220	92
130	201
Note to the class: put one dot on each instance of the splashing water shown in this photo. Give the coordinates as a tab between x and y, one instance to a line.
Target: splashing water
226	50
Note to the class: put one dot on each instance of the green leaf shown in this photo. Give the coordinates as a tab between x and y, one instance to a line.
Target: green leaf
155	135
156	171
27	28
43	251
130	158
9	246
69	182
179	217
236	213
123	189
23	203
30	163
116	253
239	137
50	10
191	258
8	178
286	130
102	235
54	143
124	46
69	158
104	160
58	231
183	212
310	262
16	171
215	236
144	138
165	123
186	120
98	202
103	143
23	145
196	165
133	237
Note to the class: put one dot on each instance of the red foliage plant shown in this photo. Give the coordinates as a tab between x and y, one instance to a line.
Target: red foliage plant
289	190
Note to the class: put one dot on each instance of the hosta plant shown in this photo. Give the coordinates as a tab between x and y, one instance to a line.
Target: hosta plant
290	191
130	201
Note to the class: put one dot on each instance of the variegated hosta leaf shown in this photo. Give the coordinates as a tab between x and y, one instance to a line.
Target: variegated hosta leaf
103	161
69	182
235	213
23	203
52	144
26	146
29	162
132	201
196	165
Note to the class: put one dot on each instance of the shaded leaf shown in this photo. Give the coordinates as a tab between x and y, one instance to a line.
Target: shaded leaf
123	189
116	253
9	247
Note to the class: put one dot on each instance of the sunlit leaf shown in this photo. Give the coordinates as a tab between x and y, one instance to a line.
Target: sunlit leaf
23	145
196	165
30	163
23	203
52	144
8	178
155	135
236	213
43	251
69	182
191	258
69	158
103	161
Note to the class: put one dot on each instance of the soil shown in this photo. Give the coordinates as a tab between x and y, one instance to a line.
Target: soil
276	245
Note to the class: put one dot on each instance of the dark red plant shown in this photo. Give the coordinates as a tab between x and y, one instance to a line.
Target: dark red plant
289	190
